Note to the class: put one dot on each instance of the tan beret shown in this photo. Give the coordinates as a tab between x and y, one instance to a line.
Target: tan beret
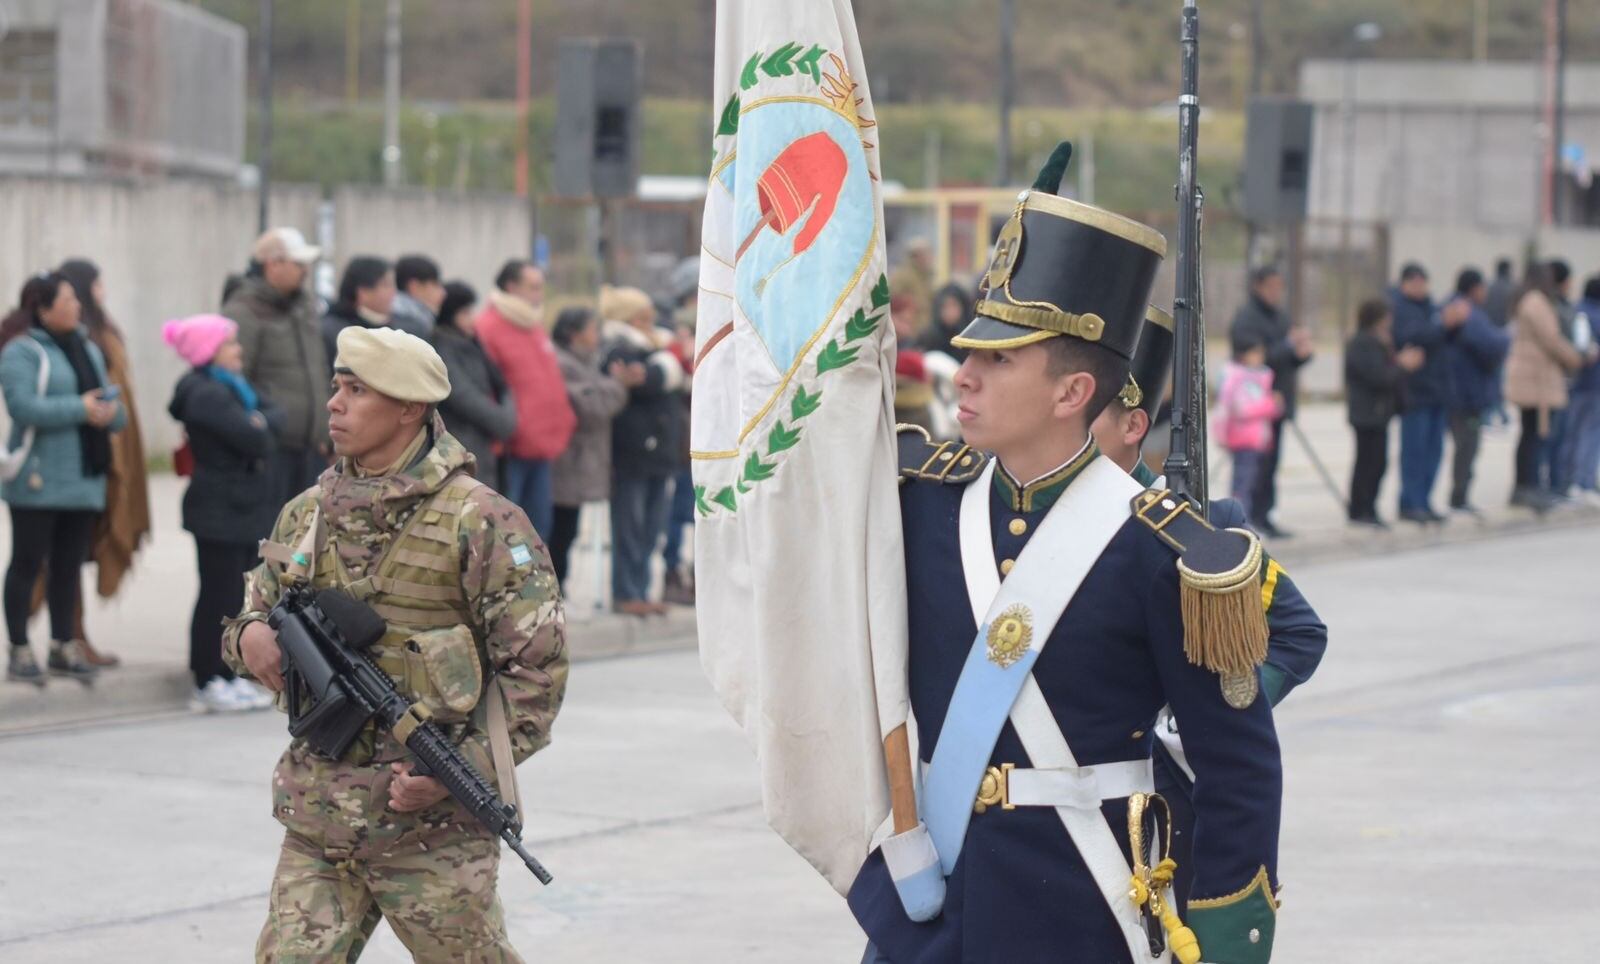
400	365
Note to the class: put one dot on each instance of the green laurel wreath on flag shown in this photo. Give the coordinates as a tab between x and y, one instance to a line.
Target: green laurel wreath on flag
836	353
778	63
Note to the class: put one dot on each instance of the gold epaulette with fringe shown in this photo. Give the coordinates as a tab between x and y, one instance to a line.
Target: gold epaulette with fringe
1219	575
923	459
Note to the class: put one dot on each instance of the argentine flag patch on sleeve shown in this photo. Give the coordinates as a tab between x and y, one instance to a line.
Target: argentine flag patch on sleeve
520	555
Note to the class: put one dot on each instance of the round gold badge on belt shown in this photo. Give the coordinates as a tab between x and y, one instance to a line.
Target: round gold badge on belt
1240	689
1010	635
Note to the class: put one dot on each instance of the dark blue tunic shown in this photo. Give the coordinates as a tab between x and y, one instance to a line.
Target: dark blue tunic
1019	891
1295	647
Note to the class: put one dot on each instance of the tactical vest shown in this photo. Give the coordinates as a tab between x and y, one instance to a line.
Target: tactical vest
429	649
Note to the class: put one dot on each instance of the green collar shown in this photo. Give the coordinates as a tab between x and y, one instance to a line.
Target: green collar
1143	475
1042	492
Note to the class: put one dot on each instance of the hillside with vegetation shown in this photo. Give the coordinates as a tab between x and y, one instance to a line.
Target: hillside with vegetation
1105	69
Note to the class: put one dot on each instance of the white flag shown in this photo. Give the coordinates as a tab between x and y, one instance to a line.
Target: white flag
799	566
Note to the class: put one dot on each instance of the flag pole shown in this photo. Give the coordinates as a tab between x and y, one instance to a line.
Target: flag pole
902	791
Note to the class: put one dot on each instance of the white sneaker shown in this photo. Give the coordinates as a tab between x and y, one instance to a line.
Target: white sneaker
218	696
248	693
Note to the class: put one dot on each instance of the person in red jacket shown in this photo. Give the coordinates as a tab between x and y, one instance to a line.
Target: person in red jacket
511	328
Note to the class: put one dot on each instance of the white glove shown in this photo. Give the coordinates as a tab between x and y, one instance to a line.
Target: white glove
914	866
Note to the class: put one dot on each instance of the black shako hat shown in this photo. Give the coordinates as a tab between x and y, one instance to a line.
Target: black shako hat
1061	267
1151	365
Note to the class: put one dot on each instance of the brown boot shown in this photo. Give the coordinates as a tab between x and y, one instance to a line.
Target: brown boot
634	607
96	658
679	588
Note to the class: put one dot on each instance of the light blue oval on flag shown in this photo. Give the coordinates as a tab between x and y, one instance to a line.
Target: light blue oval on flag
788	297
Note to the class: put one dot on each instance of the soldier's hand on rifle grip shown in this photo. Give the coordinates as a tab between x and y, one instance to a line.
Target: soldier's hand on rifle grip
408	792
258	645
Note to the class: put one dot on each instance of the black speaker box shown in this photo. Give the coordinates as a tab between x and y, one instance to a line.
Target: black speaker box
597	119
1277	160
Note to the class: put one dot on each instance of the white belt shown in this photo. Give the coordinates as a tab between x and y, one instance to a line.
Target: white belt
1082	788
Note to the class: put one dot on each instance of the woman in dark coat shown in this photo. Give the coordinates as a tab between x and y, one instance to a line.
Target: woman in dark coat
645	442
1372	383
480	411
230	503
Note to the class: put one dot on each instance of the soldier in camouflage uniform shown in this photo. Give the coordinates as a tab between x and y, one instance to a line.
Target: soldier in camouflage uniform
474	620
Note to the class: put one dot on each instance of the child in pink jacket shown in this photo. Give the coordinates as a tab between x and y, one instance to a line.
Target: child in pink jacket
1245	409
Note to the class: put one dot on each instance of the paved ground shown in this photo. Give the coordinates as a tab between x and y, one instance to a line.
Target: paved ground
1438	793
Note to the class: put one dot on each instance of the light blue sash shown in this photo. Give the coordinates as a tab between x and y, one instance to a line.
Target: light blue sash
1047	575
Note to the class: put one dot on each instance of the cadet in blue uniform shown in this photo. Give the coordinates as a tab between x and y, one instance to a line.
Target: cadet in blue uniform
1055	608
1297	637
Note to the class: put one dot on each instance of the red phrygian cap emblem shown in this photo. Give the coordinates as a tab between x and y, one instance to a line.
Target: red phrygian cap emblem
808	174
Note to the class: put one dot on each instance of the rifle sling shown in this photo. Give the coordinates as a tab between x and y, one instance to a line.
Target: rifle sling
505	765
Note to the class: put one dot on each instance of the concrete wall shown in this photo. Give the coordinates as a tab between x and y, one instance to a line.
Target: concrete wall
164	249
1446	249
470	236
140	85
1438	142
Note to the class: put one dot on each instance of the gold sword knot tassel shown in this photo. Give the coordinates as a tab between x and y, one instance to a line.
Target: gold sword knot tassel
1149	886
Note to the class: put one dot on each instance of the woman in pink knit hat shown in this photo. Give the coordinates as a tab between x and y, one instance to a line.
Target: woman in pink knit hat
229	505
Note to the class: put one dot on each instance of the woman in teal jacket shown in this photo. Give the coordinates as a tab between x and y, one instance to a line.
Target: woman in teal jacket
61	487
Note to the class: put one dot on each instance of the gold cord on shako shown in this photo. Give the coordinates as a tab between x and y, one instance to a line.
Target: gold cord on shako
1150	885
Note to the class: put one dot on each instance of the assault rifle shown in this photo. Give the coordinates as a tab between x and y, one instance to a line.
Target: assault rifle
1185	467
334	688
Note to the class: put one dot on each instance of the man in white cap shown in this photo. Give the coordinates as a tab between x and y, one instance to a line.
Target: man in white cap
474	633
283	355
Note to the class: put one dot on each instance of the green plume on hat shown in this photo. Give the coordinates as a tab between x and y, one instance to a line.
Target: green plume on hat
1049	179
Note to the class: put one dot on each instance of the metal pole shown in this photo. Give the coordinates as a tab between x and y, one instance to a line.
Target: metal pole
1480	30
1558	121
352	51
391	96
1294	296
1547	205
1256	44
264	83
524	89
1316	463
1362	34
1348	188
1002	175
1256	66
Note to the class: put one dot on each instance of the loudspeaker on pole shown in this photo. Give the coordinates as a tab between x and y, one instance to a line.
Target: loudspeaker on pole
1277	161
597	119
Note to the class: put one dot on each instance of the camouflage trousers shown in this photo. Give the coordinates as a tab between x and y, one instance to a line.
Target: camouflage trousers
441	903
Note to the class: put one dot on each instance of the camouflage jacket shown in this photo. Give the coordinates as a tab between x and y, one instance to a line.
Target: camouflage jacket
508	597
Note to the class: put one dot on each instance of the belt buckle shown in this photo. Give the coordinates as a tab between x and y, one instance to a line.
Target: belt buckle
995	787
